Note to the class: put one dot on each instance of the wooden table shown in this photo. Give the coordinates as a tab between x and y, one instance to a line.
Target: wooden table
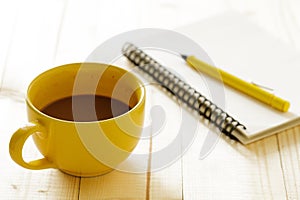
36	35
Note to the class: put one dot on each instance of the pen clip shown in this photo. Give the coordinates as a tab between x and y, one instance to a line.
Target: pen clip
262	86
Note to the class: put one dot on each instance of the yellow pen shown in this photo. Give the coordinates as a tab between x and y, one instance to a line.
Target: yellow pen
238	84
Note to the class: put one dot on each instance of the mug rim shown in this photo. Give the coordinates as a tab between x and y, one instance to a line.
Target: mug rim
140	100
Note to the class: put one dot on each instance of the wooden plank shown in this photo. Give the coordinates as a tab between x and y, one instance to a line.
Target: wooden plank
77	37
289	147
233	171
30	52
8	16
114	185
269	167
89	23
34	42
166	175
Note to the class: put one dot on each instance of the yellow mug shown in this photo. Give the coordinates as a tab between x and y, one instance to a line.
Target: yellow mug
81	148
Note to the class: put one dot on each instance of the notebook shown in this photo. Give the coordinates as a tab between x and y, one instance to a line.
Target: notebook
237	46
242	48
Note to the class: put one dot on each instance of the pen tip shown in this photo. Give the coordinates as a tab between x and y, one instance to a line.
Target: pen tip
184	56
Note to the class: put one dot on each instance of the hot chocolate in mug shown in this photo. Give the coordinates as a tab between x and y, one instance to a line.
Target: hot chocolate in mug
85	118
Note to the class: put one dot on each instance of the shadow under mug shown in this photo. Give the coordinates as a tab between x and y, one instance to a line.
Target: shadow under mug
81	148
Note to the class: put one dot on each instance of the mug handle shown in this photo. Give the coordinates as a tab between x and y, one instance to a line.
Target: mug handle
17	142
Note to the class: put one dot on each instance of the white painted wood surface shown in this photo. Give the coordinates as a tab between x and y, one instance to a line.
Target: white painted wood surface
37	35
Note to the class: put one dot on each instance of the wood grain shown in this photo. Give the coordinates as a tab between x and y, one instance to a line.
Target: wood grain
166	177
233	171
289	147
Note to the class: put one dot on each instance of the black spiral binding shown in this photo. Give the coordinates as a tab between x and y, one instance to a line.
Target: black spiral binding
193	99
